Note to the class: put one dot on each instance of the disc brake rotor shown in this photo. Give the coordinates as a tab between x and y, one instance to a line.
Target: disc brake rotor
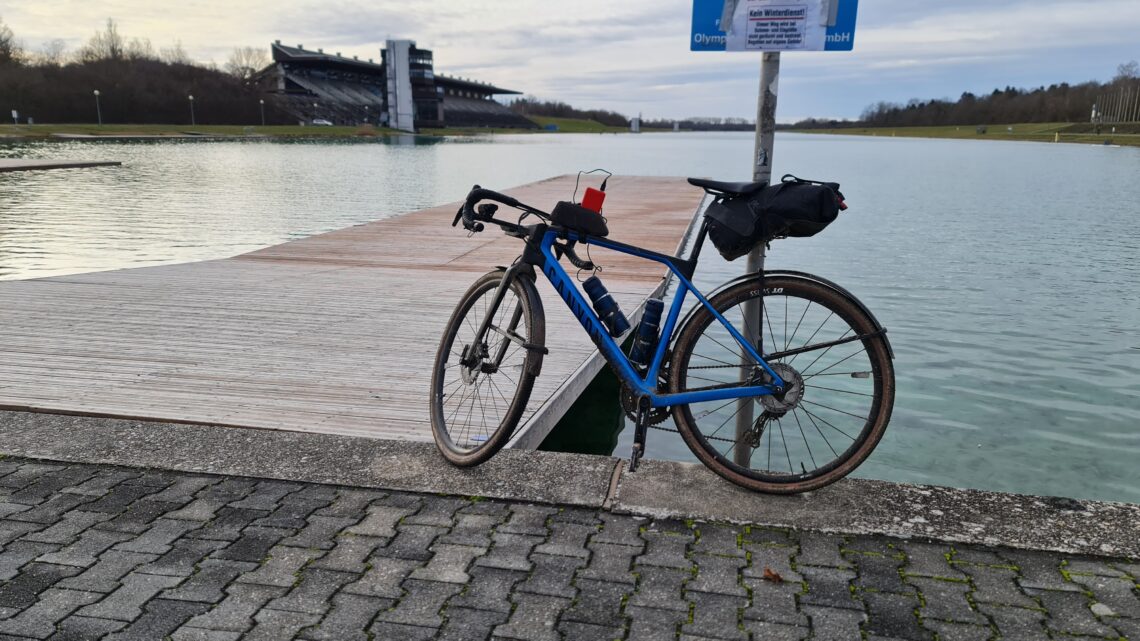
793	391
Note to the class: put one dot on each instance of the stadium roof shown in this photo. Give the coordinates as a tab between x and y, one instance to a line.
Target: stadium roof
471	85
283	53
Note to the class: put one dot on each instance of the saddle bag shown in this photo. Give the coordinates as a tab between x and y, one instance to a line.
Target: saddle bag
793	207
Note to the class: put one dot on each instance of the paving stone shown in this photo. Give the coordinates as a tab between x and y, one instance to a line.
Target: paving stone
489	589
777	558
1118	594
235	612
491	507
436	510
620	529
49	511
610	562
464	624
771	631
979	555
380	522
275	625
321	532
161	618
27	474
1128	628
313	591
281	567
665	550
139	516
870	543
582	631
879	573
156	478
38	621
761	535
7	509
198	510
660	589
186	633
34	578
675	527
598	603
471	529
716	616
448	564
834	624
228	524
119	498
183	556
1016	624
229	489
291	513
567	539
948	631
929	559
50	483
946	600
76	628
528	519
552	576
266	495
822	550
648	624
384	578
68	528
394	631
510	551
533	619
101	483
774	602
720	540
254	544
412	542
184	488
408	500
718	574
829	587
208	583
894	616
350	503
349	555
996	585
1039	571
105	575
1069	613
421	603
17	554
85	551
348	619
158	538
125	603
1099	567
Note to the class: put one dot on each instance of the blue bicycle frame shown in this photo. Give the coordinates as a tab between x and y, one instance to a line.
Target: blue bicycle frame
647	386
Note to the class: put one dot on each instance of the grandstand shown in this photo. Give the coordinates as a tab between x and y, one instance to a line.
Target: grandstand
317	86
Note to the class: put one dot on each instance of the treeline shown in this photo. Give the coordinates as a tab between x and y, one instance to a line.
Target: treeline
1056	103
531	106
136	83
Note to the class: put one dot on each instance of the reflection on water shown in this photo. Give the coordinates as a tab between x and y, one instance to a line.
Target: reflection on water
1006	273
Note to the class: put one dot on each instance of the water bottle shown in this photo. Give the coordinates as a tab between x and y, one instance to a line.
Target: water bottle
646	340
606	307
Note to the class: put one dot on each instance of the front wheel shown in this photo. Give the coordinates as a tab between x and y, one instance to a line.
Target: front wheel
838	396
480	388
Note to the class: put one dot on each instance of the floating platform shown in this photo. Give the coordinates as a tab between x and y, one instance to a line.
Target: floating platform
19	164
330	334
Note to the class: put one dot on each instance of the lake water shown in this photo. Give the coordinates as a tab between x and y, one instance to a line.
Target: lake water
1007	273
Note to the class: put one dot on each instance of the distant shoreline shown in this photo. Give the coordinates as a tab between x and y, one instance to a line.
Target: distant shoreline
1083	133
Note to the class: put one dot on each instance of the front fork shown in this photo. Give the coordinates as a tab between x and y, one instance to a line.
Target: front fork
474	360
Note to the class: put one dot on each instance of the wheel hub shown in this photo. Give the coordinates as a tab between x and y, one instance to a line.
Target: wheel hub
778	405
471	362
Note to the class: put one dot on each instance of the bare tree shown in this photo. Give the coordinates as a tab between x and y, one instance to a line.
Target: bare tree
246	61
104	45
174	54
52	53
140	49
1127	71
10	50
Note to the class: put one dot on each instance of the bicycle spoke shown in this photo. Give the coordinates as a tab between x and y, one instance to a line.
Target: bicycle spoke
827	423
817	330
841	391
824	351
804	436
862	418
821	434
784	440
862	351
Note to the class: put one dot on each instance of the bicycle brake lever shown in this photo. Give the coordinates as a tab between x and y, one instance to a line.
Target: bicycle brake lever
577	262
458	216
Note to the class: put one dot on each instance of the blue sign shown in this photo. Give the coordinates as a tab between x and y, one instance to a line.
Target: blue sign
774	25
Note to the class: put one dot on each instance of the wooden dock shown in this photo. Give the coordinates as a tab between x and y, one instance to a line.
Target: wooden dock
335	333
20	164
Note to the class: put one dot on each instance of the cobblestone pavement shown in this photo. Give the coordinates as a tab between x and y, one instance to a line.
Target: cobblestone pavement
94	552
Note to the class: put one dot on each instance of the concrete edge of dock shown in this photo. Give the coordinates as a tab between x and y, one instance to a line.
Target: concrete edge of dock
19	164
658	488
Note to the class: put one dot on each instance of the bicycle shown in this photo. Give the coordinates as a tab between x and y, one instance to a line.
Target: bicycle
756	418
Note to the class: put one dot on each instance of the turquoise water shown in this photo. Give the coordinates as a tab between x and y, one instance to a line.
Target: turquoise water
1007	273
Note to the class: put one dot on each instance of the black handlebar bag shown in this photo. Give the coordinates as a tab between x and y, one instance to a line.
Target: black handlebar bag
792	208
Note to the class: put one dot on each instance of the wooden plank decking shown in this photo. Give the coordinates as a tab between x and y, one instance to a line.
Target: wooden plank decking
334	333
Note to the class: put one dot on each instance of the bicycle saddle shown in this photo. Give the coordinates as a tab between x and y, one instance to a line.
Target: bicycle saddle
729	189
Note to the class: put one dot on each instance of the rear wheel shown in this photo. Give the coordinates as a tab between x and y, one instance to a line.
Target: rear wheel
480	389
835	407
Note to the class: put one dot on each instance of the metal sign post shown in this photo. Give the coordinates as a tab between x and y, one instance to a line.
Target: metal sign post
769	26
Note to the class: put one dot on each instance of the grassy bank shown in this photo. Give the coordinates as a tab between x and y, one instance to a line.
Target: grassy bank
1128	134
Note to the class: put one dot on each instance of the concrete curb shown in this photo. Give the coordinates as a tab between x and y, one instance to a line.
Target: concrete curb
658	488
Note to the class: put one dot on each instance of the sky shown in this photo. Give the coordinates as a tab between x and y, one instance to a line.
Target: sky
633	56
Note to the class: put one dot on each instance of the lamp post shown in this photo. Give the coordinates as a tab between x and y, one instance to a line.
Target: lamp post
98	111
262	104
192	122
